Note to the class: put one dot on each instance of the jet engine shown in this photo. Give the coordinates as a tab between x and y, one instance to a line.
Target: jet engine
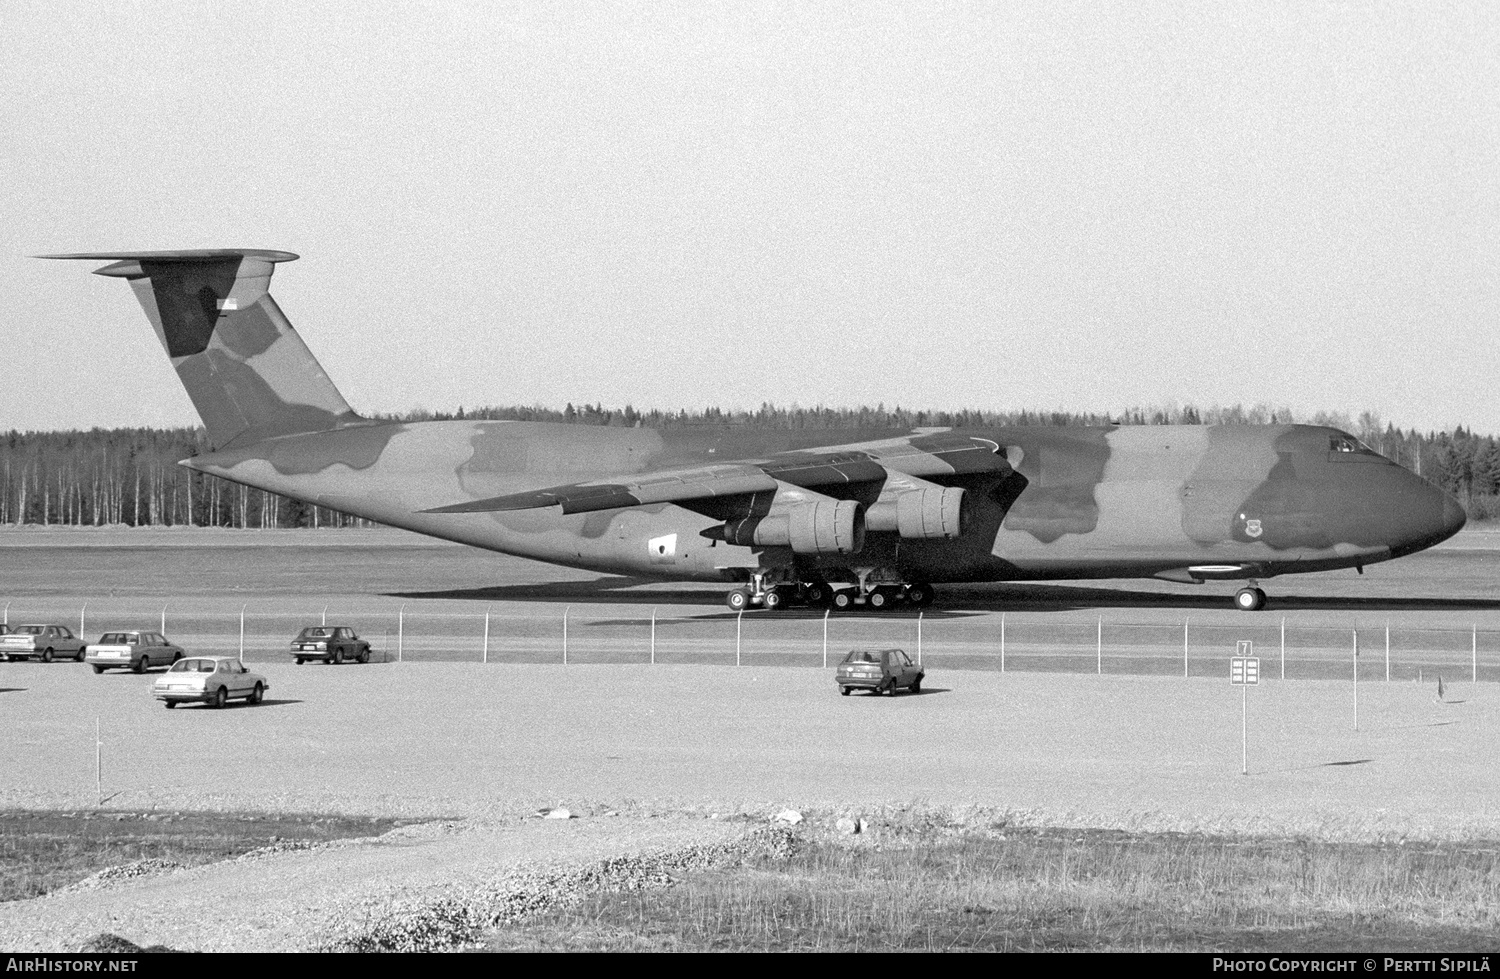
825	527
932	512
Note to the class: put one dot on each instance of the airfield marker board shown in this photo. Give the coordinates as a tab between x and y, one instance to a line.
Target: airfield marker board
1244	672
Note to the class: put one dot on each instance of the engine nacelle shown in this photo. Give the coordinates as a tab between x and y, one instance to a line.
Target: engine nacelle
831	527
920	513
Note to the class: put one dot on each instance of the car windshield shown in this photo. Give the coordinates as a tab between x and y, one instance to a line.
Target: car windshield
193	666
32	630
313	634
115	639
862	656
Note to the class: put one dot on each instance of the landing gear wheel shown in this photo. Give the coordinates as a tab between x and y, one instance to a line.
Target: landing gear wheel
816	594
738	600
879	600
774	600
920	594
1249	599
843	599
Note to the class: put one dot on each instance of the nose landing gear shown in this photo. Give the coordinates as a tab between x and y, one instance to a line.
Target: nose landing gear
1250	599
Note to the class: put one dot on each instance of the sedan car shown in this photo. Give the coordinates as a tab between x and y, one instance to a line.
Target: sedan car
138	651
209	680
45	642
878	670
329	643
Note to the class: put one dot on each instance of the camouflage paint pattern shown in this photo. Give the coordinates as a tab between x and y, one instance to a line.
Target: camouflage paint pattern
1185	503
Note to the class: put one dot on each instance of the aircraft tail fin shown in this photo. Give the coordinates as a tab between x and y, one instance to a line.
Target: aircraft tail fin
248	372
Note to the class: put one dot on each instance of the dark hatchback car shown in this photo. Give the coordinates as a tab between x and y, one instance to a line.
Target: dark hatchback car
329	643
879	670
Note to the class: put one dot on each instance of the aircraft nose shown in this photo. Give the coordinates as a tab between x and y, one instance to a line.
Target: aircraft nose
1454	517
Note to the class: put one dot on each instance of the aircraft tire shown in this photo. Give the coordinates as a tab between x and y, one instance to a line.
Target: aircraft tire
738	600
775	600
920	594
843	599
1249	599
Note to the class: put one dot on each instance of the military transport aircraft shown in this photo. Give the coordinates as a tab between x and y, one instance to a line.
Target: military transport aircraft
869	519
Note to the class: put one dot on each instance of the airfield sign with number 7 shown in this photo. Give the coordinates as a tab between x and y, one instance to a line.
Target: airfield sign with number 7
1244	672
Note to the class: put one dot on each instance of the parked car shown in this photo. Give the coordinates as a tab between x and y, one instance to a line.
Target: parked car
45	642
210	680
880	670
329	643
138	651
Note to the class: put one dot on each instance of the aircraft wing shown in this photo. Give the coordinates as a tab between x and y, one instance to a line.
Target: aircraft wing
843	466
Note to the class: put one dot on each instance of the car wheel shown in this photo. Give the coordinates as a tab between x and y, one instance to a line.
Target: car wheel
844	691
890	687
143	664
169	704
78	656
338	656
46	656
221	697
300	661
258	694
916	685
98	669
364	656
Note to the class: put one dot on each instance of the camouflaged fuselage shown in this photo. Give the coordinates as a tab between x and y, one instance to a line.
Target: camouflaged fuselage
1255	501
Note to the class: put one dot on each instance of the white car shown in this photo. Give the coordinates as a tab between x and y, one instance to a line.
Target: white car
209	680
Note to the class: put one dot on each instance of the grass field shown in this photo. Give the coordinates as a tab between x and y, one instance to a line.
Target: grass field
41	851
1049	890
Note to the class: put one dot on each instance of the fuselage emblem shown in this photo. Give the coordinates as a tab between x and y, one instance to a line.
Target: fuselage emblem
1252	528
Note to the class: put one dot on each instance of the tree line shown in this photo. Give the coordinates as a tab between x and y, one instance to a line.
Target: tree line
130	476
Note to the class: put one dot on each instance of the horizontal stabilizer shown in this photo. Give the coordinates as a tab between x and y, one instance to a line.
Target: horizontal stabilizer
248	372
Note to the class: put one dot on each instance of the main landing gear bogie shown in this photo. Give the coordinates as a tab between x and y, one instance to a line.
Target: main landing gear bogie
820	594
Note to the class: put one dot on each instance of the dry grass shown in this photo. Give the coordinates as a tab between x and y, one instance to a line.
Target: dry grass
43	851
1052	890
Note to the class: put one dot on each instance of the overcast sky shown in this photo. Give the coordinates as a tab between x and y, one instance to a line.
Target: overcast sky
995	205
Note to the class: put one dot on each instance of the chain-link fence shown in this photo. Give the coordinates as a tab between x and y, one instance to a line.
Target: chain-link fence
1018	641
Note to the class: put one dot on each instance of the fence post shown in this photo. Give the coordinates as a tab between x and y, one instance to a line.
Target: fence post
485	656
400	632
1002	642
1100	647
919	638
1184	648
1474	651
566	609
98	763
242	632
1387	651
653	636
7	613
80	619
1283	647
826	612
739	616
325	613
164	620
